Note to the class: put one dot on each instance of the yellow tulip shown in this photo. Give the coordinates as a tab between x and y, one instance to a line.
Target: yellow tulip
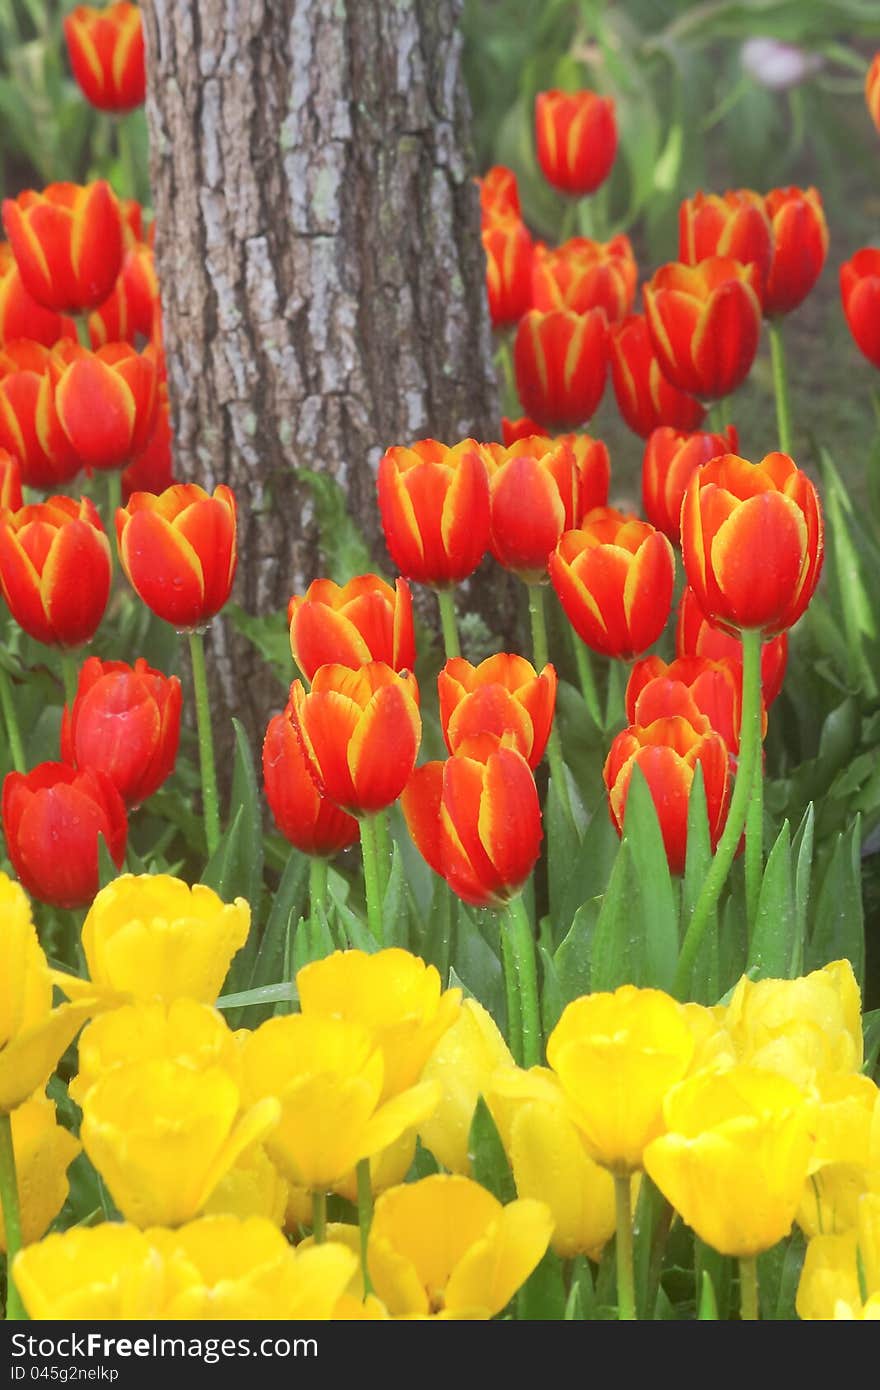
388	1167
799	1027
463	1062
550	1162
252	1187
227	1268
445	1247
616	1057
735	1157
394	995
151	935
162	1136
92	1273
841	1273
33	1035
44	1151
328	1076
182	1031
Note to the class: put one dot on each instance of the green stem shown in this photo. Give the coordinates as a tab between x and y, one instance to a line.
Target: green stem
114	502
626	1298
319	1217
780	385
511	996
372	887
70	675
10	718
383	850
365	1218
754	852
510	402
748	1289
15	1311
749	753
541	656
317	885
446	600
515	925
210	797
127	160
718	416
587	679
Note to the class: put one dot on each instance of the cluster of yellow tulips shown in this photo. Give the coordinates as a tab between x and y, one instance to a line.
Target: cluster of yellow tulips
219	1149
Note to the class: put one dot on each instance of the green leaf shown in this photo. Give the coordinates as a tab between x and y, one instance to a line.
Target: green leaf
848	563
489	1165
779	1272
246	796
656	899
589	873
552	1000
582	1298
572	961
871	1031
706	972
478	964
270	635
838	928
311	940
223	868
396	904
344	549
288	904
708	1307
773	944
542	1296
611	954
802	855
266	994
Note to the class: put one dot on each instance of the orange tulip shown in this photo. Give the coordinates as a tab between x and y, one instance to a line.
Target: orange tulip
499	195
752	541
582	274
667	752
860	291
20	314
736	225
872	90
106	50
508	248
800	245
178	551
434	502
351	624
576	136
476	820
561	359
151	469
534	494
360	731
67	242
130	310
29	424
10	481
645	398
670	457
691	686
705	322
695	635
55	569
106	402
614	580
521	428
503	695
305	817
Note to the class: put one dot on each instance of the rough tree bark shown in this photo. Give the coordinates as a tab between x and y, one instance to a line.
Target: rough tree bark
319	254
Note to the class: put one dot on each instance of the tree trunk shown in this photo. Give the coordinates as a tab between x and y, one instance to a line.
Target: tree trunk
322	274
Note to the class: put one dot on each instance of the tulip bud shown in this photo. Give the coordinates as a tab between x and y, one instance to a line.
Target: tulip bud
305	817
508	248
534	494
106	51
55	569
576	137
178	551
645	398
705	322
860	291
67	242
800	245
670	458
106	403
352	624
434	502
561	359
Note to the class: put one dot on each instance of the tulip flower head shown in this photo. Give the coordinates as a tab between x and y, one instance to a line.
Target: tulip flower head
860	291
800	246
55	569
352	624
576	138
131	310
178	551
29	424
734	511
499	195
695	635
535	496
734	224
106	402
582	274
20	314
509	256
693	686
106	51
503	695
67	241
305	818
705	323
43	1150
434	503
645	398
561	359
670	458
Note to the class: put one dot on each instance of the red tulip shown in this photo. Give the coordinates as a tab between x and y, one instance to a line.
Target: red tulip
55	569
670	457
151	469
692	686
125	722
10	481
130	310
178	551
534	493
29	424
705	322
752	541
872	90
106	402
503	695
351	624
106	50
645	398
360	733
614	579
67	242
508	248
52	818
860	290
561	360
800	245
305	818
512	430
667	752
499	195
735	225
582	274
592	463
695	635
20	314
576	137
476	820
434	501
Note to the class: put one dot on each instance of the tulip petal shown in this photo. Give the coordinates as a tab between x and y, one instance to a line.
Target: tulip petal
773	527
494	1267
163	569
28	1059
383	748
